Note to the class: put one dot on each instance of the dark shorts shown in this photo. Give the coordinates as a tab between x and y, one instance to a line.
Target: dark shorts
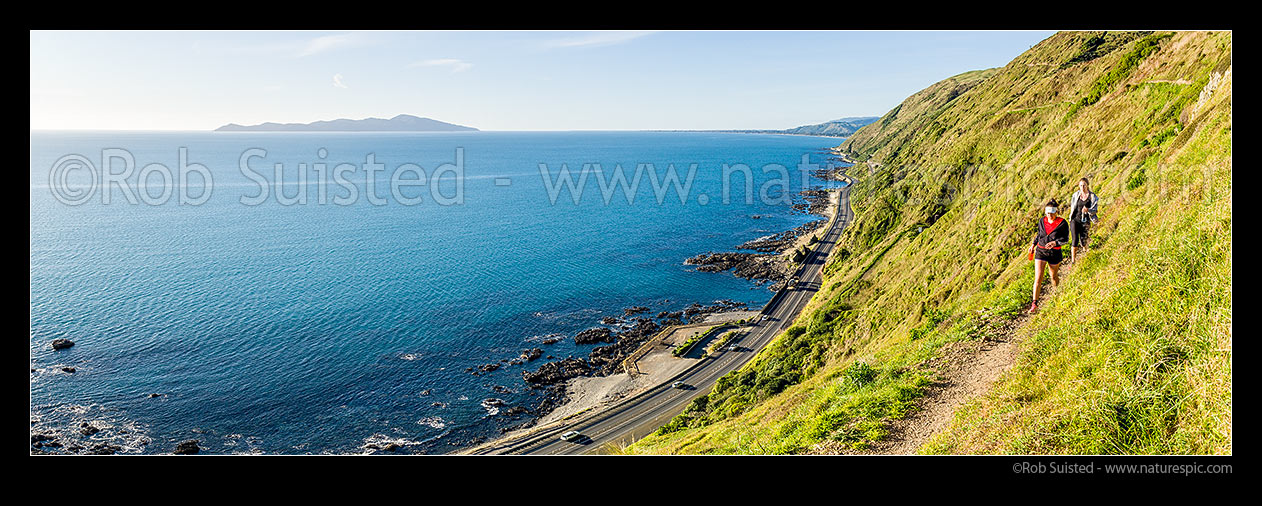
1049	255
1081	230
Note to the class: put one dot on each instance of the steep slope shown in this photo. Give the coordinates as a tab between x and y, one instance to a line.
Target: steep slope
1131	354
913	115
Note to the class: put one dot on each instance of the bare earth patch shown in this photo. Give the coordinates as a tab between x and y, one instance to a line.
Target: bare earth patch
966	370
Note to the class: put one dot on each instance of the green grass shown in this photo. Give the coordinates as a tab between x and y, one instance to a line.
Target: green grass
1130	355
722	341
1100	44
1127	64
687	346
1139	365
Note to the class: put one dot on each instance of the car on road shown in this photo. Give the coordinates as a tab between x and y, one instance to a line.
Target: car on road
679	384
571	436
733	348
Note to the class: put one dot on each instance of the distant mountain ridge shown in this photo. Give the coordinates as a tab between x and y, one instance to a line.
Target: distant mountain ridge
836	128
400	123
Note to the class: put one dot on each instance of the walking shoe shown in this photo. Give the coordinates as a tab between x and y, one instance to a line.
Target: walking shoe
1034	307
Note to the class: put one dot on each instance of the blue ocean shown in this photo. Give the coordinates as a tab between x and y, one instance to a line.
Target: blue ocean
237	314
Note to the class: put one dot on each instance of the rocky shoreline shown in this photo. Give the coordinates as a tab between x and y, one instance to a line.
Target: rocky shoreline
784	240
768	265
617	336
622	335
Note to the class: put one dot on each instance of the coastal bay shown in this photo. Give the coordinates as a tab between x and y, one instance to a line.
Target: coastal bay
348	329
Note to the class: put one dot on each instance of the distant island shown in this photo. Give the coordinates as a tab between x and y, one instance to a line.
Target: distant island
836	128
407	123
400	123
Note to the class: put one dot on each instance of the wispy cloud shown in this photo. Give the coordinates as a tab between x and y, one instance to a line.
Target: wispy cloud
337	81
325	43
456	65
295	48
596	39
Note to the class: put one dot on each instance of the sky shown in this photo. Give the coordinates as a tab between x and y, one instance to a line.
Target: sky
495	80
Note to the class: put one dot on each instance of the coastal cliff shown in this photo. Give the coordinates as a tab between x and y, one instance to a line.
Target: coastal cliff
1131	354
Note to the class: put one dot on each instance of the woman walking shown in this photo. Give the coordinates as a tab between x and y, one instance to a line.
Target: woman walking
1050	233
1082	212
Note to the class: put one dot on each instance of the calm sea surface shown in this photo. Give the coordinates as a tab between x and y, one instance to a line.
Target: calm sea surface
323	327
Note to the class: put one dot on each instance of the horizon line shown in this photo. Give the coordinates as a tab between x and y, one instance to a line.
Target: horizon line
726	130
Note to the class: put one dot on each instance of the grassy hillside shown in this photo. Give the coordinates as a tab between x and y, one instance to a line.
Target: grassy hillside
838	128
1131	354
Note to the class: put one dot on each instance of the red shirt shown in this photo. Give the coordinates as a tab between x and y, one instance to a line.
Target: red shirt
1049	227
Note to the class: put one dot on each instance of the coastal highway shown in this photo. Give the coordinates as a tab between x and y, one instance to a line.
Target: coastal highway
637	416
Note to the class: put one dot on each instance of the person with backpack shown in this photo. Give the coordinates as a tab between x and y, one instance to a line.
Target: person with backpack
1082	213
1049	234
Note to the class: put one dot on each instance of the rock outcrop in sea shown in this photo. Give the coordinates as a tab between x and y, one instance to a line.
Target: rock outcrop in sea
187	447
557	372
594	335
784	240
767	265
761	267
